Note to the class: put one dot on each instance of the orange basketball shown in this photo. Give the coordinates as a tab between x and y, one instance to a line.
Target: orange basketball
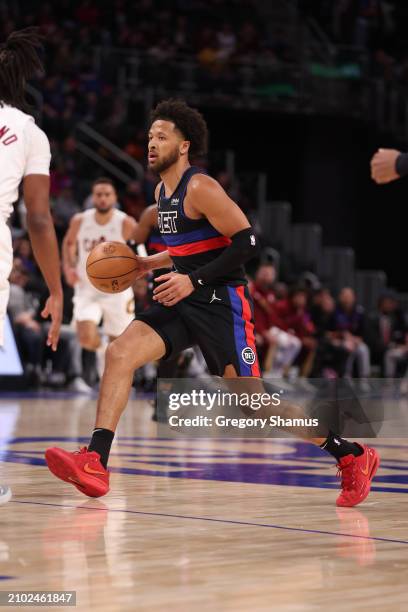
112	267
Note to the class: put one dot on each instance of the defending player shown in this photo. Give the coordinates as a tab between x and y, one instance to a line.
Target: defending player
25	156
205	302
86	229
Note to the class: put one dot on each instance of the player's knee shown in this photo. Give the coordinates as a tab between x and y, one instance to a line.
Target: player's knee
114	352
120	353
87	341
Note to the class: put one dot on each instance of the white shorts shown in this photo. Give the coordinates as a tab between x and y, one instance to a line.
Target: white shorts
6	263
117	310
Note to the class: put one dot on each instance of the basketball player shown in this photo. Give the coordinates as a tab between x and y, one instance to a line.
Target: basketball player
87	229
205	302
147	232
25	156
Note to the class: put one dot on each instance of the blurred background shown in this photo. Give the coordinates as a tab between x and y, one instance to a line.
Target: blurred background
298	95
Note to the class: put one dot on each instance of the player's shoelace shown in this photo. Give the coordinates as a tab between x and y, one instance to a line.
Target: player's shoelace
81	451
346	473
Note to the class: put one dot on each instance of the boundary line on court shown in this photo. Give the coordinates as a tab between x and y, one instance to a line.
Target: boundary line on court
214	520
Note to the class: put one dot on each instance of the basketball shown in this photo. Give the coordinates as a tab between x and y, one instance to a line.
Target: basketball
112	267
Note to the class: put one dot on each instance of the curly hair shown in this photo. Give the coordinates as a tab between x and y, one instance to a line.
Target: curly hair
189	121
19	61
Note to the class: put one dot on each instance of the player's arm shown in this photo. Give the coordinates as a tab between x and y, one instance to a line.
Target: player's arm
159	260
128	227
70	250
43	240
388	165
147	221
36	190
208	199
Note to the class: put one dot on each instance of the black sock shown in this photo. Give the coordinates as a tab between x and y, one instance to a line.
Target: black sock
338	447
101	443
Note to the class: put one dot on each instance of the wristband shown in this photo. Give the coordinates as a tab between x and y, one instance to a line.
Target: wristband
401	164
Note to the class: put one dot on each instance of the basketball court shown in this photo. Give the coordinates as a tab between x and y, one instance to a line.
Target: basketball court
206	525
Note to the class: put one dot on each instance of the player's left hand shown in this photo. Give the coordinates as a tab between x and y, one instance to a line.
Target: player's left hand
53	308
173	288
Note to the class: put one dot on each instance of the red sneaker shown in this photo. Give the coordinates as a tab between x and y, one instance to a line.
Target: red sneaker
83	469
356	476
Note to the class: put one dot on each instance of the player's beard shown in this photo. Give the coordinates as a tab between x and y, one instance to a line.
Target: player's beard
164	164
103	211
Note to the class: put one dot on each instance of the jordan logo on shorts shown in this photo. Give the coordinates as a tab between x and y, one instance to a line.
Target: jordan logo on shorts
214	297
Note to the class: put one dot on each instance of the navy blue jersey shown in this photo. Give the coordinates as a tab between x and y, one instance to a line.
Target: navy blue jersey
155	243
192	243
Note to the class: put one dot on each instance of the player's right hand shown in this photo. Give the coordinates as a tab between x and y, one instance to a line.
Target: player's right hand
71	276
53	309
383	166
144	266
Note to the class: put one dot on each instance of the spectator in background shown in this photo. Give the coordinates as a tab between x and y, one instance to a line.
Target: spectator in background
133	200
64	207
149	186
387	335
227	41
281	291
263	295
59	178
248	41
208	57
331	356
25	256
141	293
295	319
136	146
278	347
349	327
232	188
28	332
181	35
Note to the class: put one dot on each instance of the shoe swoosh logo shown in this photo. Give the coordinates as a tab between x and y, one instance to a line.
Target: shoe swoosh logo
365	471
90	470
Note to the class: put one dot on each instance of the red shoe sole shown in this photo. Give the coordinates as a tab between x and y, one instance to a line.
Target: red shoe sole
374	467
63	466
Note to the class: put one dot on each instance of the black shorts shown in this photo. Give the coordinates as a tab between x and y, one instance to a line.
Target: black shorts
217	319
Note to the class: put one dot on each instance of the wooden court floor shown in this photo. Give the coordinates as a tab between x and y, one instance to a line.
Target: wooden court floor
194	525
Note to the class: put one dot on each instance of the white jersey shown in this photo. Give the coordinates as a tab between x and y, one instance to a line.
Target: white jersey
24	149
92	233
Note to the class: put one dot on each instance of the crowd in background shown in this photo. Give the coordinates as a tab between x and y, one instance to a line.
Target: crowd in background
375	26
74	90
321	335
301	332
218	34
